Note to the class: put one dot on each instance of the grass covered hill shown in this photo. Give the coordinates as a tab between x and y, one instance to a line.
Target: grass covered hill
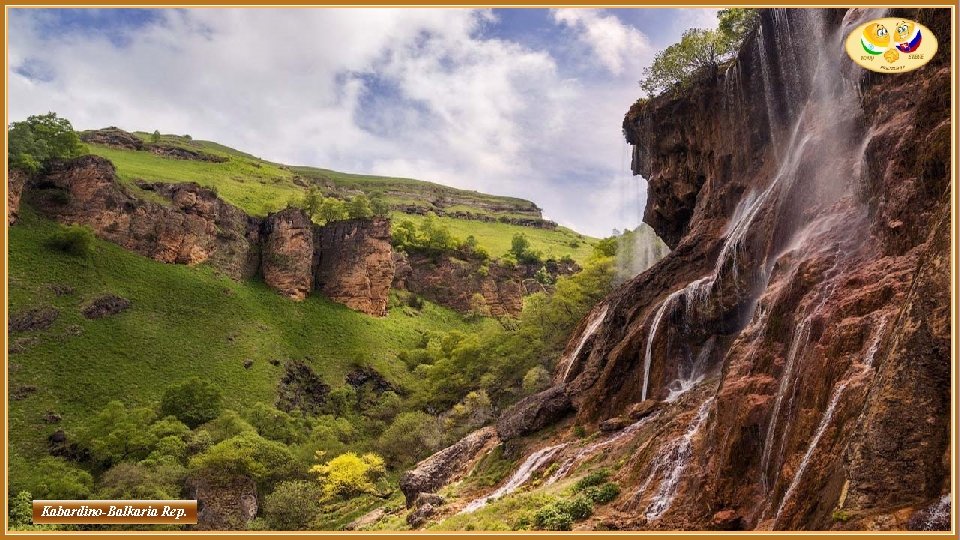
258	187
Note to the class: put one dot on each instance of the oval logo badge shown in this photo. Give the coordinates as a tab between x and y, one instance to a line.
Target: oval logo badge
891	45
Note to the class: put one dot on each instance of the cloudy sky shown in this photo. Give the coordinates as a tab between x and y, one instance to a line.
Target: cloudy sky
523	102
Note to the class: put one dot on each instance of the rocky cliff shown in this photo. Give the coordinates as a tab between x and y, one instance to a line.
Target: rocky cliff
795	344
454	281
189	224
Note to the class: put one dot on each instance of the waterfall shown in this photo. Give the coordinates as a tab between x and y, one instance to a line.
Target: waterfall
568	464
596	319
693	375
674	458
939	513
652	335
828	414
520	477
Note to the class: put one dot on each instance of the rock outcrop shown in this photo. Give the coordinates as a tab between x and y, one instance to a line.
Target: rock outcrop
355	264
454	280
447	465
15	181
229	504
351	262
113	137
533	413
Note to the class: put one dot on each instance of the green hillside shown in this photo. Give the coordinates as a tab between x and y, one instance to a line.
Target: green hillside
184	321
258	187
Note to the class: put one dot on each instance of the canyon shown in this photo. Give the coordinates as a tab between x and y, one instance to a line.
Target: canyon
787	365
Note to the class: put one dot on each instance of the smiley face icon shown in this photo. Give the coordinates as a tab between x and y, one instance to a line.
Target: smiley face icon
875	39
907	36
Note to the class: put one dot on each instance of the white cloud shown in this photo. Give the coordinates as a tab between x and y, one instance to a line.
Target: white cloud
614	44
399	92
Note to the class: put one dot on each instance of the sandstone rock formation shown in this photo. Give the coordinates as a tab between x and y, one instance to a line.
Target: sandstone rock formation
446	465
351	262
355	264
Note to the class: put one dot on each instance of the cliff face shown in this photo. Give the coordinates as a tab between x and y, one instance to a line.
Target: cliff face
797	338
14	190
454	281
194	226
355	264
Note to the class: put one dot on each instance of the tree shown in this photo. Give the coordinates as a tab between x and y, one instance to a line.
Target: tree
536	379
412	435
273	423
117	433
519	245
379	206
699	49
155	138
348	474
478	306
312	201
404	235
331	210
138	481
248	454
193	401
292	506
359	207
54	478
41	139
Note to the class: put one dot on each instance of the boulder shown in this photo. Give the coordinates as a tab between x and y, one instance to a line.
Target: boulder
444	466
224	504
641	410
420	515
533	413
613	424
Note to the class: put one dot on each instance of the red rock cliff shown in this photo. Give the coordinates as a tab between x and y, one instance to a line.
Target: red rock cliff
798	335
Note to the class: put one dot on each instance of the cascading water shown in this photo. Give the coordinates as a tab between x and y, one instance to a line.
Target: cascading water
673	458
691	375
866	366
591	449
938	515
596	319
531	465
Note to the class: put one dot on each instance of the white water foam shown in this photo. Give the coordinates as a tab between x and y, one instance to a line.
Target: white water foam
533	463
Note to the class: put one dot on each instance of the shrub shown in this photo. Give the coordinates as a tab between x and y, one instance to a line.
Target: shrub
604	493
411	435
139	481
595	478
247	454
552	518
35	142
359	207
76	240
292	505
155	137
273	423
348	474
56	479
193	401
116	433
535	379
579	508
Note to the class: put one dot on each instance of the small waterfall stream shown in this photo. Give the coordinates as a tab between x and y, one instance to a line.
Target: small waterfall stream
591	449
673	459
592	326
531	465
863	369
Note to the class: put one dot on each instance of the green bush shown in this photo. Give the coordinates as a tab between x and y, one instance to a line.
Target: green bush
33	143
273	423
359	207
603	494
348	474
193	401
595	478
411	436
76	240
552	518
54	478
579	508
248	455
116	433
138	481
292	506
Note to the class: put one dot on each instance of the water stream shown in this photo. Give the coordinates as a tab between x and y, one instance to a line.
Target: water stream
592	326
531	465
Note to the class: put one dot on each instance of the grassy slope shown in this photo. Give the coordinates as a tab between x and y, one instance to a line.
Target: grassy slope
259	186
179	326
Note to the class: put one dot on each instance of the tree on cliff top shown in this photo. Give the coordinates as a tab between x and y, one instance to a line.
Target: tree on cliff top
699	49
40	139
